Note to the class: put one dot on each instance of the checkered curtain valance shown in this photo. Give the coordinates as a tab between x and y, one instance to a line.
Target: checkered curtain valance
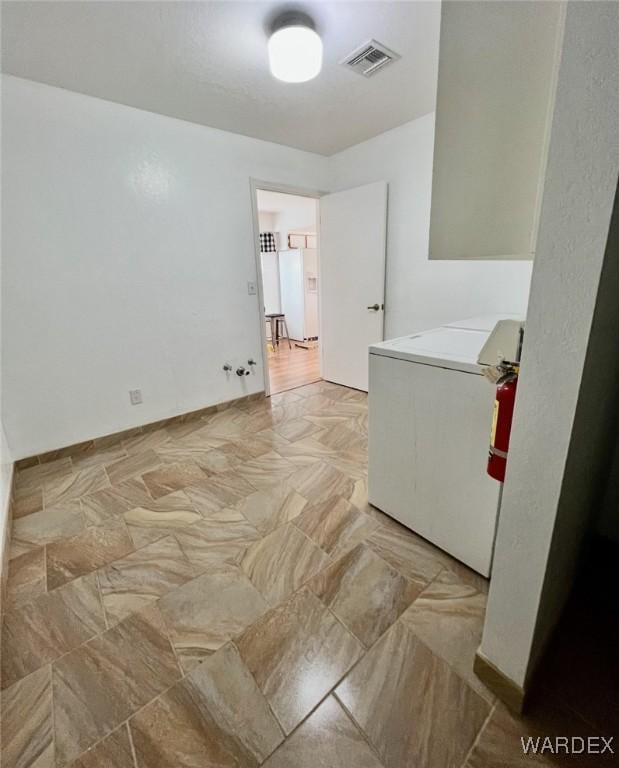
267	242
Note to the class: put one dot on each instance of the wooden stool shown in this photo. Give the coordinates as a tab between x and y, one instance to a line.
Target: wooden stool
280	324
274	320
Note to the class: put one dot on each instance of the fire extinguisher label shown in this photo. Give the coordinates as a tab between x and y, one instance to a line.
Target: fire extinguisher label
495	418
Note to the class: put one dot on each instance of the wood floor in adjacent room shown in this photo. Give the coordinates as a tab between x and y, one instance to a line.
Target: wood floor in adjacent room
289	368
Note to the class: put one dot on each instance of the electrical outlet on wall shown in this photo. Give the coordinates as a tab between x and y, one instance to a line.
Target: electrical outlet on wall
135	395
252	288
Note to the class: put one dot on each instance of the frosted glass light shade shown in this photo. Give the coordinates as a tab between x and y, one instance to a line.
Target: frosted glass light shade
295	54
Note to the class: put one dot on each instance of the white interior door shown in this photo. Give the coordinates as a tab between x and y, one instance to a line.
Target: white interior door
353	226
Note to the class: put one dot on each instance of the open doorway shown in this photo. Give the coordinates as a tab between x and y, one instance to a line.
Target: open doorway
288	225
321	282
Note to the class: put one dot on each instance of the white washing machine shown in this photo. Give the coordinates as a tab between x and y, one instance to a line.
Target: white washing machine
430	413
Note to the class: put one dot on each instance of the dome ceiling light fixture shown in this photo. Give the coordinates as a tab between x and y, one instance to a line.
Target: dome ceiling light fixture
295	48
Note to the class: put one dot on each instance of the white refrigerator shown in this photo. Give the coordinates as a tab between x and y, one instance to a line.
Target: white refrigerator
298	281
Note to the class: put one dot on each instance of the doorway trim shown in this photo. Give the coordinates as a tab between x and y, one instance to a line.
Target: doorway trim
286	189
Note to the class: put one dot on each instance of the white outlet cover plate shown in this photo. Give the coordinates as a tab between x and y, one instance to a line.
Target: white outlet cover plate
251	288
135	396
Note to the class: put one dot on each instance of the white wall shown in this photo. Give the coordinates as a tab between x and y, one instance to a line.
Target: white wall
266	221
286	213
567	388
127	247
298	214
422	293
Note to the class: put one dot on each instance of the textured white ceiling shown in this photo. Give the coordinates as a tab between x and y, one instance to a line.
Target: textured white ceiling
207	62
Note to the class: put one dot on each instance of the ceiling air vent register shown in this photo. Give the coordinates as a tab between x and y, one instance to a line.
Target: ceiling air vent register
368	58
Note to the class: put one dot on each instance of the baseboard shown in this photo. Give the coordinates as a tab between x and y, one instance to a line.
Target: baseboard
115	437
509	692
5	541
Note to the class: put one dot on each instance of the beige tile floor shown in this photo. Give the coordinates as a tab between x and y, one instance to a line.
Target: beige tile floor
220	593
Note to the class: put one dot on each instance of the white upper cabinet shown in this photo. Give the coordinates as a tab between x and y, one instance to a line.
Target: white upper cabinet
497	71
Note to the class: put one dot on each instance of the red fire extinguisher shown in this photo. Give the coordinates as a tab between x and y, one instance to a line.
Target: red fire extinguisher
502	424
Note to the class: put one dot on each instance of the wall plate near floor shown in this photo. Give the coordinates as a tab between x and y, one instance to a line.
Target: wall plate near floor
135	396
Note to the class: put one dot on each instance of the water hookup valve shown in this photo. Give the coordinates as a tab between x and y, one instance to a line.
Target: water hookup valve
241	370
